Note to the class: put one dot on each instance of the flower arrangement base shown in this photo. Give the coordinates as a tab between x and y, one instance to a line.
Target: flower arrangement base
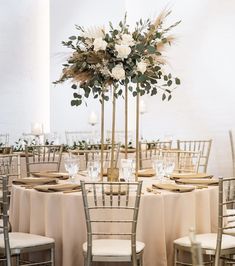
113	174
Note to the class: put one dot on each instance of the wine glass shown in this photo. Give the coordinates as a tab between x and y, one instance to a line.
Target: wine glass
127	169
71	166
158	165
93	170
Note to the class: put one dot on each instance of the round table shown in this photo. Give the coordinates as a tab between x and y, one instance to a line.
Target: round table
162	218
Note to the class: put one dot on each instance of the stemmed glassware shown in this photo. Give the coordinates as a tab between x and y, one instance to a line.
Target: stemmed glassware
127	169
164	167
72	167
93	170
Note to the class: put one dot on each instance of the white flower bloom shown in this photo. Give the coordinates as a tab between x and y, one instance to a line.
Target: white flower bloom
123	50
99	44
94	32
126	39
118	72
141	67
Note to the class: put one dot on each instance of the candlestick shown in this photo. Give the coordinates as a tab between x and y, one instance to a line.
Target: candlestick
93	119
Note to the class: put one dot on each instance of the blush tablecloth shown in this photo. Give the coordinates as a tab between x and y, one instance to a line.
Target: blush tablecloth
162	218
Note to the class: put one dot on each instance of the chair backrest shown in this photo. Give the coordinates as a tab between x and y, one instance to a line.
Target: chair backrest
223	226
40	156
232	150
111	210
120	135
95	154
72	137
10	165
149	150
204	146
5	218
4	140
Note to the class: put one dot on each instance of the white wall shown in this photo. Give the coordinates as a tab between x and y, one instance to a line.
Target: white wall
24	65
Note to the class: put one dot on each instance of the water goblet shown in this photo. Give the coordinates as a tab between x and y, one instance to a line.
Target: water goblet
158	165
127	169
93	170
71	166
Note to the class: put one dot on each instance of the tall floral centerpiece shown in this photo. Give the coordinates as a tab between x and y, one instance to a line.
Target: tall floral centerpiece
122	62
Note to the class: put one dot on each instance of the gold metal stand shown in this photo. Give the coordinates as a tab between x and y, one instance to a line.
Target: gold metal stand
137	134
102	141
126	120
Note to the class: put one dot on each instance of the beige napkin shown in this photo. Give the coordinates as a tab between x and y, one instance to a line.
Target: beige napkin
173	187
58	188
204	181
34	181
51	175
190	175
146	173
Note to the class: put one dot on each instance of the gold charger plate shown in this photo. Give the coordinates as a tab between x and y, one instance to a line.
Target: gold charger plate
173	187
34	181
59	175
58	188
190	175
146	173
198	181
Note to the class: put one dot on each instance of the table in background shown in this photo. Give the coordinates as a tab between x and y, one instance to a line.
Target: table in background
162	218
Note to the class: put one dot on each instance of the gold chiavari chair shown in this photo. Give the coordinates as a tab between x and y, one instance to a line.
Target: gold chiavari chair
72	137
203	146
149	150
15	244
43	158
94	154
4	140
185	161
120	135
10	165
217	246
232	150
196	249
111	211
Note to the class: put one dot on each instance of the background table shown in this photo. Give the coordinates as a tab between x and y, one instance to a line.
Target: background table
162	218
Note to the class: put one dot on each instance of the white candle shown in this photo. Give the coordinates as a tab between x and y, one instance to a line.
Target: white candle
36	129
142	107
93	118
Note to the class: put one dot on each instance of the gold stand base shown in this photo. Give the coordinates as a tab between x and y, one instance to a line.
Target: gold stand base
113	174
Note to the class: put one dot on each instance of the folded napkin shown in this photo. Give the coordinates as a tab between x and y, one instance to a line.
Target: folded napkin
58	188
190	175
173	187
146	173
116	190
34	181
204	181
51	175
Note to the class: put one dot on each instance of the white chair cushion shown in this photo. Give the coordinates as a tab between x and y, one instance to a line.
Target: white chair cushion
208	241
113	247
24	240
231	218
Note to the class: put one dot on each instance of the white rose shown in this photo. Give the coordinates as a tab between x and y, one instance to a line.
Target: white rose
141	67
99	44
126	39
118	72
123	50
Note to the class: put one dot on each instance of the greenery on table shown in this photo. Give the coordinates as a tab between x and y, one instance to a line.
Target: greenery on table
114	57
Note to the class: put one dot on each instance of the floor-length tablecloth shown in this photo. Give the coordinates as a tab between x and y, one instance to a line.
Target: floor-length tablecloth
162	218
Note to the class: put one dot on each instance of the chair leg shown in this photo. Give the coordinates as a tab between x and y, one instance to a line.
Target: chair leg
140	261
52	256
175	256
17	260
